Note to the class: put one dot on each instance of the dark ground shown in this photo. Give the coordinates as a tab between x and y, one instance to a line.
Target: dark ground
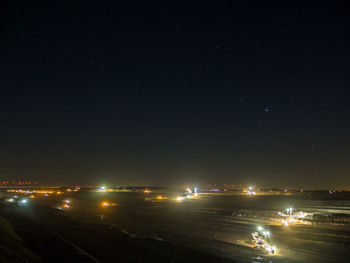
210	229
49	235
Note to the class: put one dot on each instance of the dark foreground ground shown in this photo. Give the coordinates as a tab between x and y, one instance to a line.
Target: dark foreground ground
141	228
37	233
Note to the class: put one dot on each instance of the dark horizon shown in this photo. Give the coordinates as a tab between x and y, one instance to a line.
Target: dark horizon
174	94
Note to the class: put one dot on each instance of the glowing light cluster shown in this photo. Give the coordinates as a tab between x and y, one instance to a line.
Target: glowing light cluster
107	204
32	191
249	191
260	240
23	201
290	216
195	191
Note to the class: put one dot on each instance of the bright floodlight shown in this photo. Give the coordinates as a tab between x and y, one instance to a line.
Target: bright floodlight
24	201
260	228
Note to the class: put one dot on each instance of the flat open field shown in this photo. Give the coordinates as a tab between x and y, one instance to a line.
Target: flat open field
219	224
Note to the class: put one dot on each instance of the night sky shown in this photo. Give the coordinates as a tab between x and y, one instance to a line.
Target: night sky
171	92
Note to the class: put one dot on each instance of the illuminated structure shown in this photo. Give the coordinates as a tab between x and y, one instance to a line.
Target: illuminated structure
260	240
291	216
249	191
106	204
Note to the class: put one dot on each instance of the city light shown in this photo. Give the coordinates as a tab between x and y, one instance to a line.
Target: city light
106	204
23	202
249	191
291	216
260	240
